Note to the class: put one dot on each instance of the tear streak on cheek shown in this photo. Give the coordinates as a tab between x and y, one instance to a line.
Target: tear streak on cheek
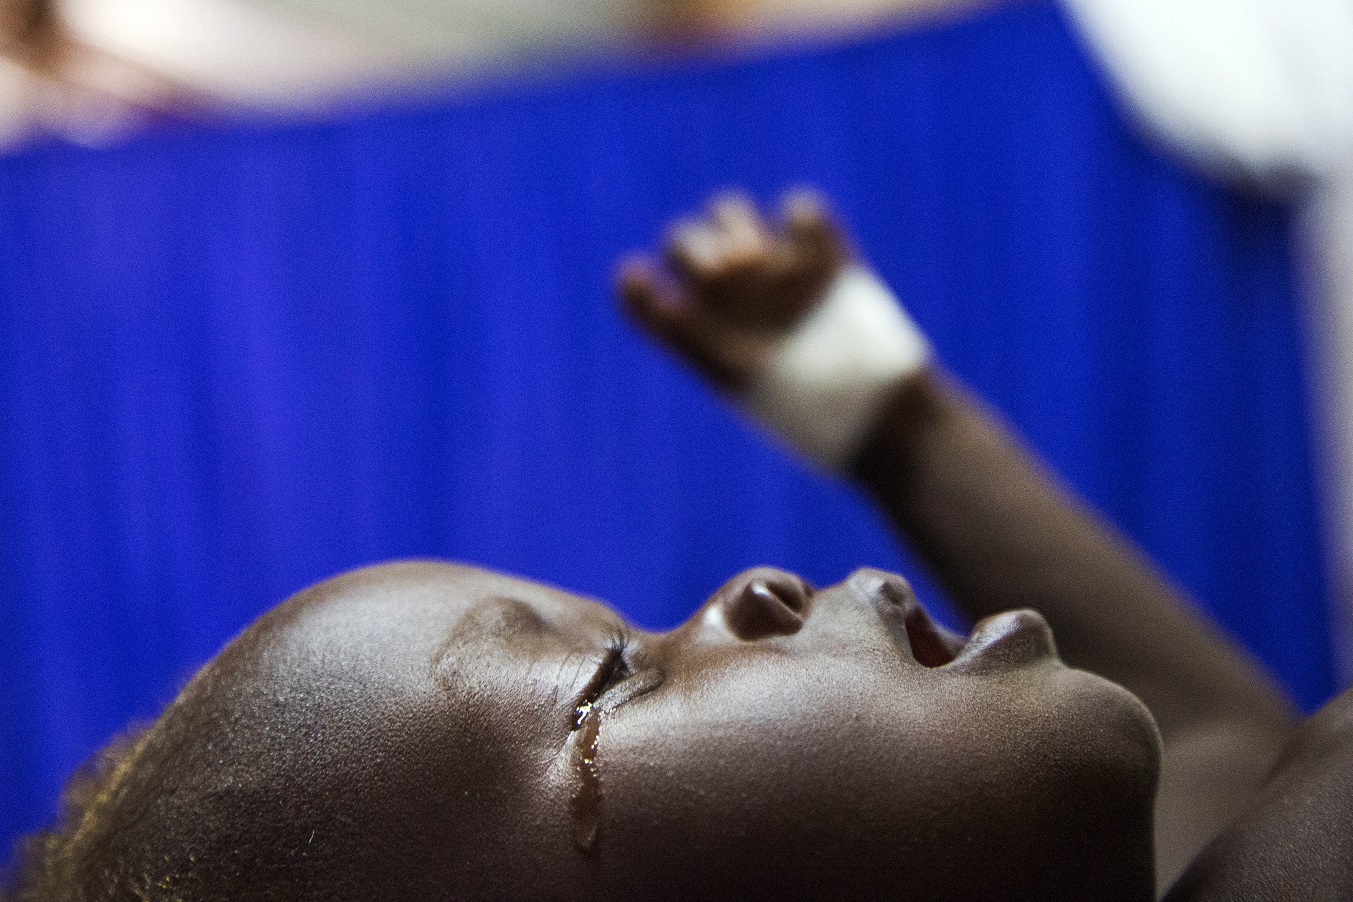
584	782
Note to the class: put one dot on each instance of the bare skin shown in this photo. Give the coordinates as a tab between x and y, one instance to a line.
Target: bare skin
1000	532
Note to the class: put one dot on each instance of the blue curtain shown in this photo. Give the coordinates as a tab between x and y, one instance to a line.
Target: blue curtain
234	361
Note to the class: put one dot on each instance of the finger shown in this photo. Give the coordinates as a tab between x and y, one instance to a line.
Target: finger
693	251
732	208
651	303
745	239
736	217
817	242
664	313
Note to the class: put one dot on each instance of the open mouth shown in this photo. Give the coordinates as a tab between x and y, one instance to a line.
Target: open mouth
931	644
1008	639
913	630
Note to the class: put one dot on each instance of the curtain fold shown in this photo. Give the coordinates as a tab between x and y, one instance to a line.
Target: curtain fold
238	360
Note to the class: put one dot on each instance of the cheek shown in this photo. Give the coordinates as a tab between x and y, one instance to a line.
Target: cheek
850	774
768	773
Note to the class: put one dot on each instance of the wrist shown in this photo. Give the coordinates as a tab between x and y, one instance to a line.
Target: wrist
912	411
825	385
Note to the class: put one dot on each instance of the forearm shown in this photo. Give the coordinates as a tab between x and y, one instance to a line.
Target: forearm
1000	532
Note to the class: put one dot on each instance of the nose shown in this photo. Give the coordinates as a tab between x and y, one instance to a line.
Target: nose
762	603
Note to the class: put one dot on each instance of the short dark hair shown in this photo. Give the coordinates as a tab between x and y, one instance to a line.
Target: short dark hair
52	863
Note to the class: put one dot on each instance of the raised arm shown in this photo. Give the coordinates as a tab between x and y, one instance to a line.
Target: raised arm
735	299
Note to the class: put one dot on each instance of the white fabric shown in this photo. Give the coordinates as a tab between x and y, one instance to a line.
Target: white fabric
1265	86
822	387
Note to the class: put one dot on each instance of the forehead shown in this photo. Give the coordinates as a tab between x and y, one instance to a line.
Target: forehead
362	661
397	616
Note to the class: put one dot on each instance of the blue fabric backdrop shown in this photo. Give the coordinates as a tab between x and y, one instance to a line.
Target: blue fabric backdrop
238	360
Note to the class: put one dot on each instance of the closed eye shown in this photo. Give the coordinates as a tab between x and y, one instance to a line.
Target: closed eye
621	665
610	670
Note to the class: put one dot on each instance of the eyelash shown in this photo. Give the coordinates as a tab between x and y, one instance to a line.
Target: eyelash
616	665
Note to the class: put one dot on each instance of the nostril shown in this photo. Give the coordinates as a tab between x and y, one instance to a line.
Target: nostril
765	607
792	595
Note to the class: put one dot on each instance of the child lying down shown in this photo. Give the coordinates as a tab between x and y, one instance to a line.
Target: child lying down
426	731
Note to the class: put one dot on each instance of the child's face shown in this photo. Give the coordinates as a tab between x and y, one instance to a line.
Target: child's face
419	725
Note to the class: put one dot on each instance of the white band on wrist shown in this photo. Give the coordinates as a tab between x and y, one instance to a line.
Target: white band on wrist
824	384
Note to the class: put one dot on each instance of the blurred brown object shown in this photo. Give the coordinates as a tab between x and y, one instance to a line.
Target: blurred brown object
687	22
28	30
90	70
53	81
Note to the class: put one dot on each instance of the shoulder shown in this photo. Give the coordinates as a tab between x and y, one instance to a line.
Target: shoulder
1296	840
